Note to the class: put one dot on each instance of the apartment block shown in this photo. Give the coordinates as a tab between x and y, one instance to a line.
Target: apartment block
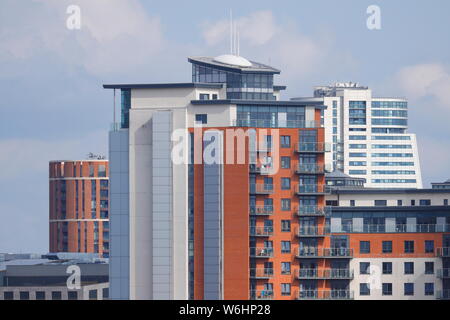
369	136
79	206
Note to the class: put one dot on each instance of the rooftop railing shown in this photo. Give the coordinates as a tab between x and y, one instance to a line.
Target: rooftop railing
398	228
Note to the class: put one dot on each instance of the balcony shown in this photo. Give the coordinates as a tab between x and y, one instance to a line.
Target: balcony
261	253
443	252
261	273
311	189
312	231
261	123
262	170
313	147
444	273
324	274
310	168
443	295
324	253
313	211
261	210
325	295
261	231
261	295
259	188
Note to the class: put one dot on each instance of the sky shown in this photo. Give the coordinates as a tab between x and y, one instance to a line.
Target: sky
53	106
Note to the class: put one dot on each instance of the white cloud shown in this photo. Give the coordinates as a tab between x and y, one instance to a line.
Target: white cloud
425	80
21	157
115	35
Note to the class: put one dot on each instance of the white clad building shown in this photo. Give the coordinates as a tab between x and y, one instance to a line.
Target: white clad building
369	136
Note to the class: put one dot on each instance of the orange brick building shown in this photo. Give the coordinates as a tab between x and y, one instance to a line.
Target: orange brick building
79	206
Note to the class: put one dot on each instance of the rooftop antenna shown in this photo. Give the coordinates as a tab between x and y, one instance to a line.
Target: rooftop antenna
238	42
231	31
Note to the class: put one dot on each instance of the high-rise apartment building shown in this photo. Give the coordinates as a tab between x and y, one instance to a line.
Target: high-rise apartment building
230	228
79	206
218	191
369	136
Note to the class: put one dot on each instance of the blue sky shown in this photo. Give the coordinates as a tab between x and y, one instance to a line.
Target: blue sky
53	105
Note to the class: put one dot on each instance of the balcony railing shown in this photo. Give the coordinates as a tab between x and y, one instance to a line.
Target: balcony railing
311	189
261	295
261	210
261	252
324	253
399	228
305	211
312	231
310	168
313	147
324	274
261	273
443	295
261	188
444	273
260	169
443	252
261	231
276	124
325	294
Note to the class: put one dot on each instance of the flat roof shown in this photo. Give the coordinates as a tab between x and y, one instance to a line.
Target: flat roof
255	68
164	85
258	102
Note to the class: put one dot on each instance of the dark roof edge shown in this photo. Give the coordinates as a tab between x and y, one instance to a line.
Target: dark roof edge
257	102
279	88
163	85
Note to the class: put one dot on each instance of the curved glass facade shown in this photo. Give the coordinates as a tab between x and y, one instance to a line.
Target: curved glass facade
245	86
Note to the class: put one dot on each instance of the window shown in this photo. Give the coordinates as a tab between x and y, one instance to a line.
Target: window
387	246
24	295
285	183
364	247
105	292
408	289
429	246
399	203
445	202
387	289
204	96
409	246
409	267
285	225
285	162
101	170
387	267
285	268
429	289
364	268
201	118
214	96
285	141
425	202
285	289
92	294
364	289
380	203
285	247
56	295
429	267
40	295
413	202
72	295
8	295
352	203
285	204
